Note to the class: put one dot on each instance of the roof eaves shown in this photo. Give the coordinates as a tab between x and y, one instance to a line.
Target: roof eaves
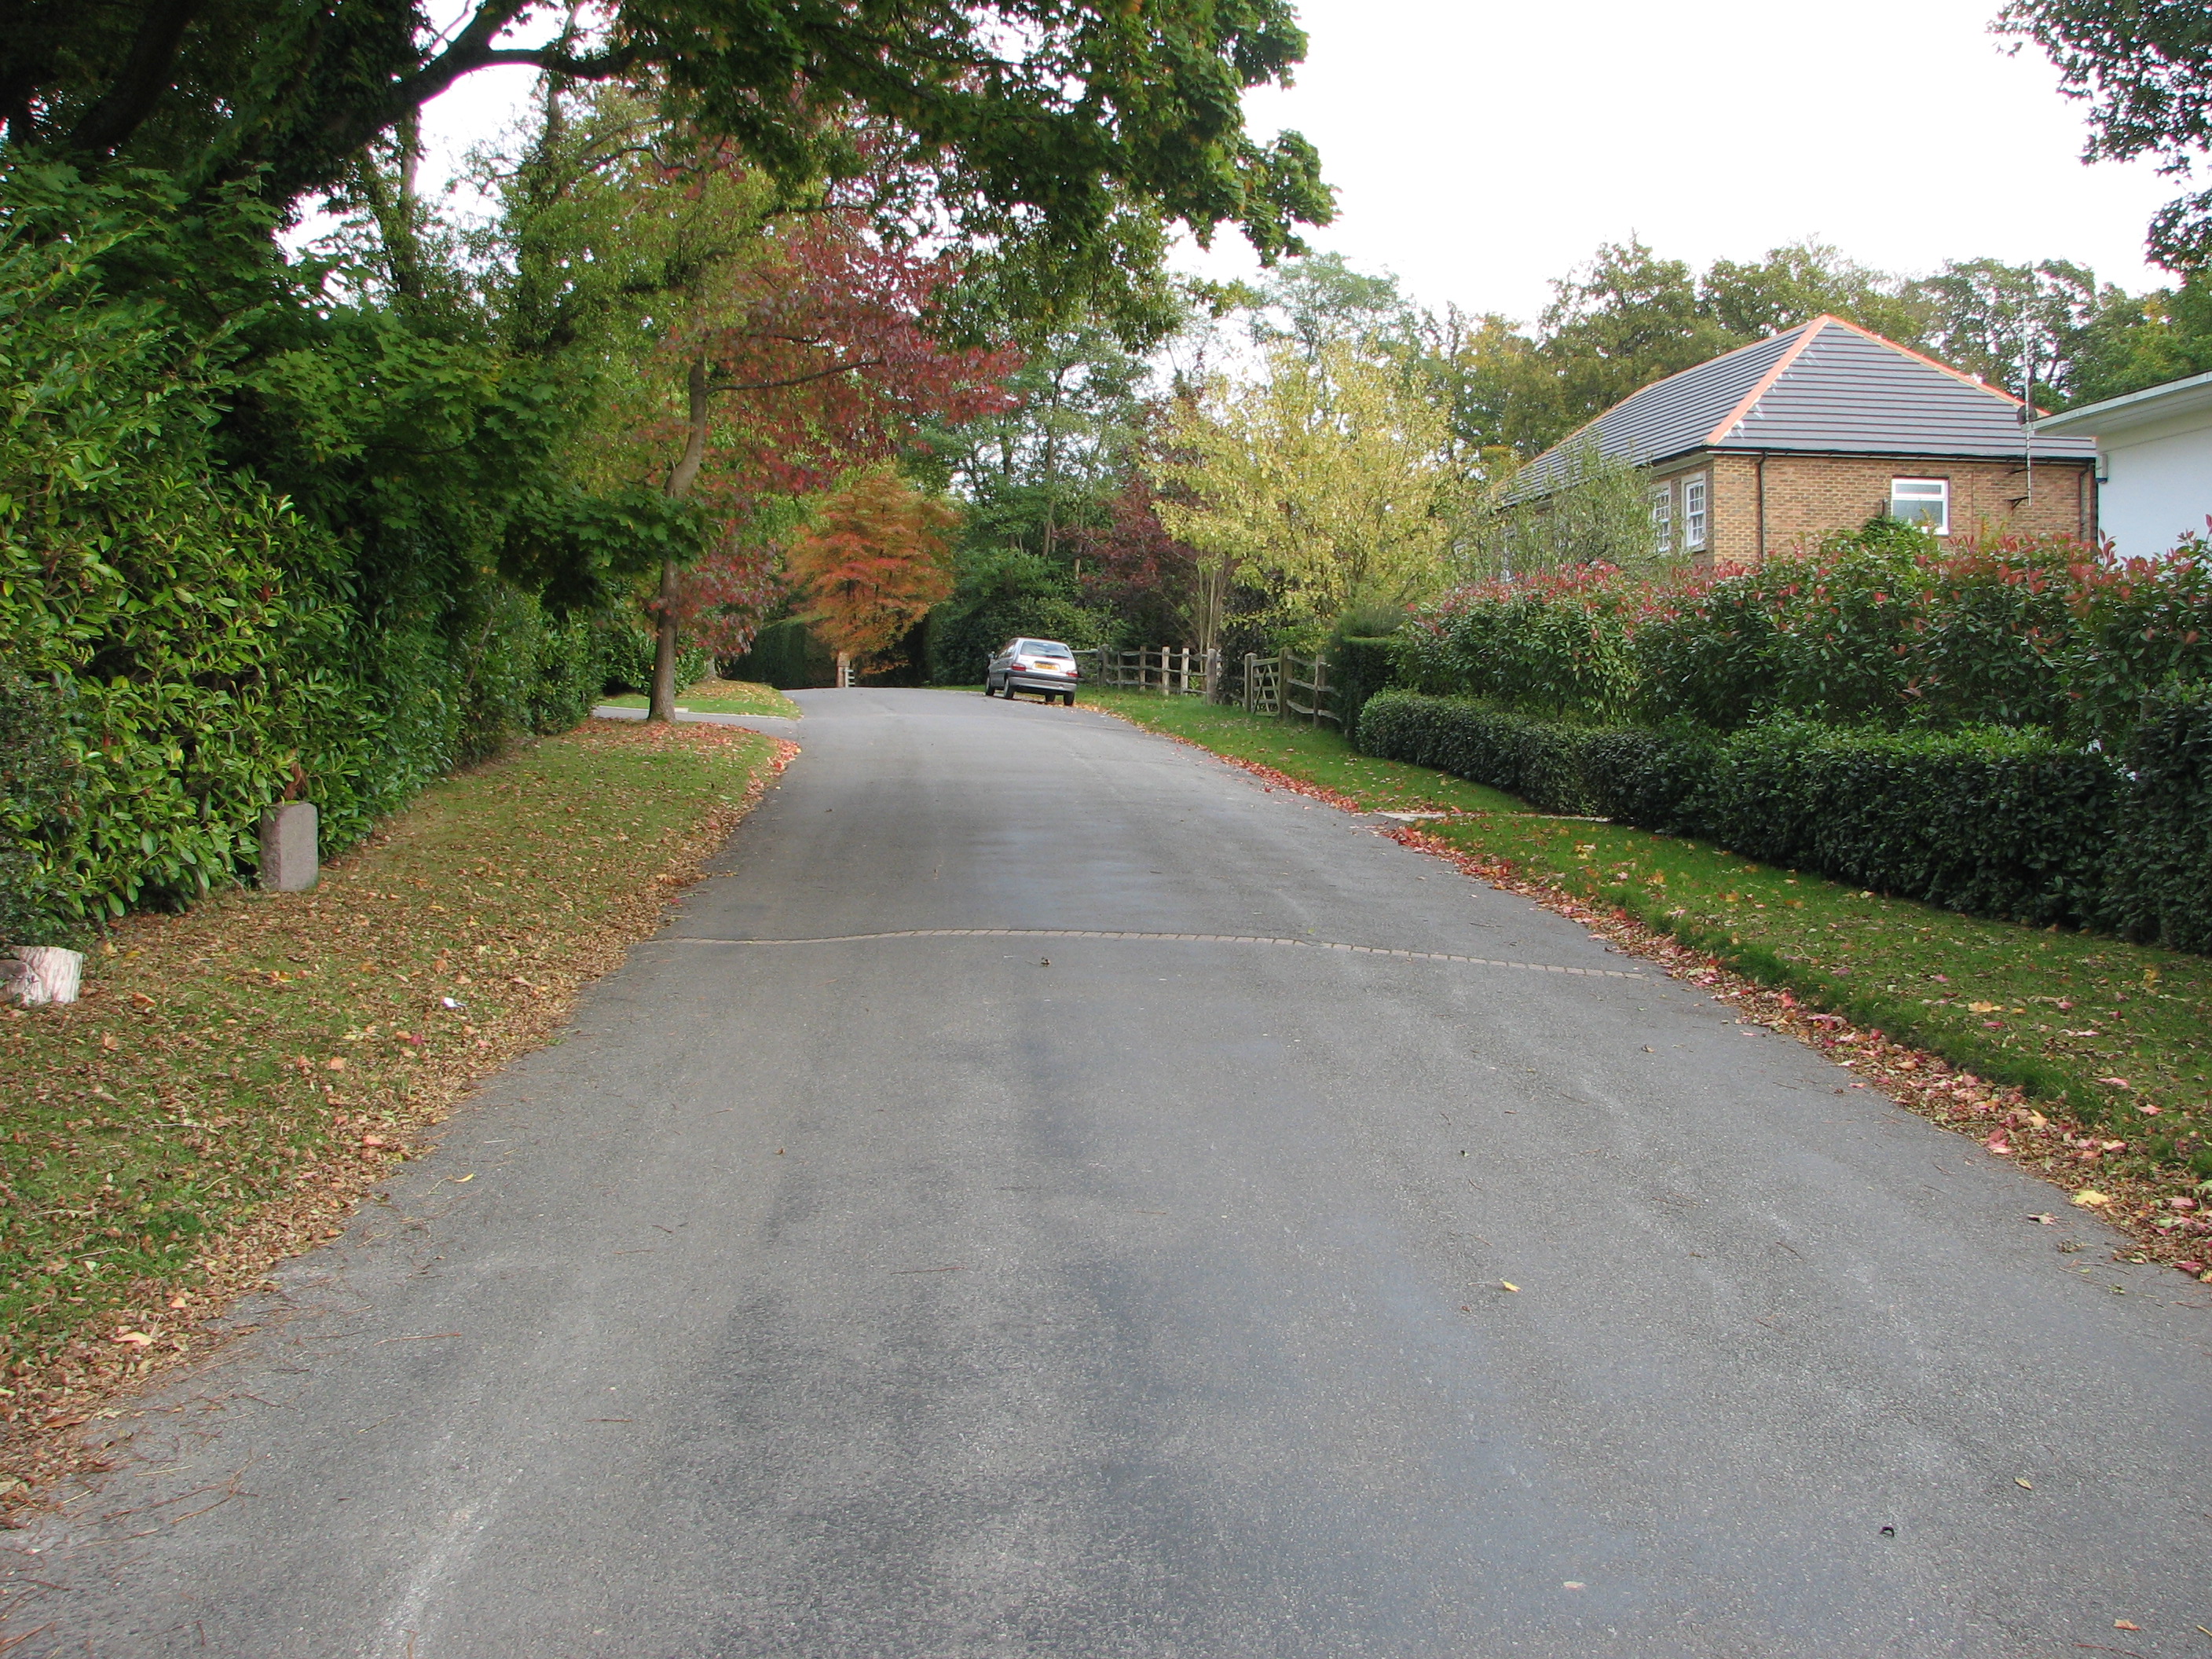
2182	393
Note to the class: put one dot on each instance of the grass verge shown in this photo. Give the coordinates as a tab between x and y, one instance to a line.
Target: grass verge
236	1077
714	697
1963	1019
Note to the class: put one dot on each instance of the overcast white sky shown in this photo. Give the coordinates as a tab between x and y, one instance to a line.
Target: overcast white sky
1479	149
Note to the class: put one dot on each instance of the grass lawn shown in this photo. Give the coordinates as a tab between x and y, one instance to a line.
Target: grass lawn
236	1076
2118	1037
714	697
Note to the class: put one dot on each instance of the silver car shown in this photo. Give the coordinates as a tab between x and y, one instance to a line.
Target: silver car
1044	666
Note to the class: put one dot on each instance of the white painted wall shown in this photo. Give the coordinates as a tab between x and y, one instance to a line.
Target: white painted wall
2159	485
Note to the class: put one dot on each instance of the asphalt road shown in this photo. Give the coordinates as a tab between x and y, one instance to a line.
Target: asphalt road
1031	1293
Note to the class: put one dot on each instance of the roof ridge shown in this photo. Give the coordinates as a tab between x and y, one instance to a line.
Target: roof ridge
1973	380
1694	368
1807	332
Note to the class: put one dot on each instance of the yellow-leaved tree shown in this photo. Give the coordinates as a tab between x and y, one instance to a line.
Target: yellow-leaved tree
875	557
1330	481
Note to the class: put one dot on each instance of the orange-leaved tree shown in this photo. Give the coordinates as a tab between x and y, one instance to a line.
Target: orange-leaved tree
873	560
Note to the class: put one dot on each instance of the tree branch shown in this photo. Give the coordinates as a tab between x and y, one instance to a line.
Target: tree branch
131	97
801	379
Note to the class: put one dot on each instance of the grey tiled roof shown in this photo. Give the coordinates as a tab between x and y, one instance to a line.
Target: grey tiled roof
1824	386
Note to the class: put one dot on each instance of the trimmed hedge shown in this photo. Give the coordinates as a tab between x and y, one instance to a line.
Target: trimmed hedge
2159	877
1539	760
1983	820
1986	820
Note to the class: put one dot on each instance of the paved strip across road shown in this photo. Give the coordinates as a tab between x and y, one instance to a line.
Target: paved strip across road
999	1288
1203	938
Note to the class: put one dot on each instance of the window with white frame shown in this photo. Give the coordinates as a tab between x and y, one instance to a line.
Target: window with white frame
1923	501
1663	518
1693	513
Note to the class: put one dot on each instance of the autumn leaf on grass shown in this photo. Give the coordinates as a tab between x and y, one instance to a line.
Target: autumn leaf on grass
1997	1143
2090	1198
1984	1007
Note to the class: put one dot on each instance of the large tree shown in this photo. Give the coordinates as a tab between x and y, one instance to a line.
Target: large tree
1061	137
1330	478
2144	67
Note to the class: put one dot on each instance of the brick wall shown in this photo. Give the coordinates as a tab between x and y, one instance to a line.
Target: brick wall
1808	496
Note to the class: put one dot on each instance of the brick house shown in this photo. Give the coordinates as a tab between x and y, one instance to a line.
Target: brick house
1819	427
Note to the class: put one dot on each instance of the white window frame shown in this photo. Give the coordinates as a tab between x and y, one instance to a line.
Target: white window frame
1697	512
1940	526
1663	517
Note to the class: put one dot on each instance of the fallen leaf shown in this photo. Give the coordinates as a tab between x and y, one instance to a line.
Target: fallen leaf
1510	1284
2116	1082
337	1064
2090	1198
2148	1111
136	1338
1982	1007
2123	1624
107	1041
1997	1143
460	1180
2047	1220
2018	1481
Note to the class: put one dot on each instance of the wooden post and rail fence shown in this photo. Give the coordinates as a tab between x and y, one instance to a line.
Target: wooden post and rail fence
1285	686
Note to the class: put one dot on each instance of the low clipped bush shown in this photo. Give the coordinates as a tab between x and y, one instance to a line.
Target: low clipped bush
1539	760
1992	821
1983	820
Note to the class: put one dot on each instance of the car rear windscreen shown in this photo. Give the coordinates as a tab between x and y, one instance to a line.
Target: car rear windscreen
1046	648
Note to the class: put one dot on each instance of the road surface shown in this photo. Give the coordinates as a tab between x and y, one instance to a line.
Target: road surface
1090	1289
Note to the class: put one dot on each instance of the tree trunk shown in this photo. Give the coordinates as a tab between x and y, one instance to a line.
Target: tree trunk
680	479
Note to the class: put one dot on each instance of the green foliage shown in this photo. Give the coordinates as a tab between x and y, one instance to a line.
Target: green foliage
1553	644
786	655
1991	822
2145	68
1880	627
35	797
624	650
1539	760
1000	595
217	646
1979	819
1594	509
2159	871
1359	667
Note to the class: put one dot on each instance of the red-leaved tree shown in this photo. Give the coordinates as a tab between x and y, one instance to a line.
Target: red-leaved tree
810	356
873	561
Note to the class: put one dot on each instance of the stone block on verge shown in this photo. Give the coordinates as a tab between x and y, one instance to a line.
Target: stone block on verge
290	860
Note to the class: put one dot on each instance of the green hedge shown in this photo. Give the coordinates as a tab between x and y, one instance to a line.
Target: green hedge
2160	874
1982	820
1881	627
1359	666
786	655
1986	820
1539	760
197	643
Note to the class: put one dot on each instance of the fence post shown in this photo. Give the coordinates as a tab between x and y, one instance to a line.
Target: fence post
1321	688
1251	657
